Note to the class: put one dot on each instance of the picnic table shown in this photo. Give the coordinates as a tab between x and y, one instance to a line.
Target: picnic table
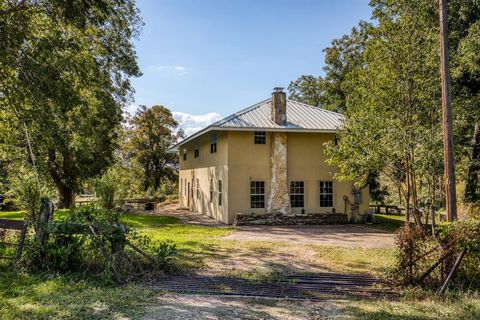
388	209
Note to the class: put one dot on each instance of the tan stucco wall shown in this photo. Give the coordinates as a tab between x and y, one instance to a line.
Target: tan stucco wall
247	162
207	166
306	162
239	161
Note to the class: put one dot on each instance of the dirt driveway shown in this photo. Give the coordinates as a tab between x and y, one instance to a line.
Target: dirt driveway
349	236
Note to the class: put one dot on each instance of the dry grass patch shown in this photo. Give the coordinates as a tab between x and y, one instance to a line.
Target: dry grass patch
356	260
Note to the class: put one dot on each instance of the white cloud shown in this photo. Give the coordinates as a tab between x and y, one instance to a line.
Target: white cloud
177	69
130	109
193	123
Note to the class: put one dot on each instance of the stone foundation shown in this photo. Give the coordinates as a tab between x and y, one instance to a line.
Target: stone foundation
242	219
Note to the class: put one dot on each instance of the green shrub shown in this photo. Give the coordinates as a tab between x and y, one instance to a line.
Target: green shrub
114	250
63	254
165	253
106	188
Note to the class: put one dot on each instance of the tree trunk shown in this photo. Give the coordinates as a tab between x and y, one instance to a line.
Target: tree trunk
146	179
156	183
471	186
408	192
67	197
432	204
449	165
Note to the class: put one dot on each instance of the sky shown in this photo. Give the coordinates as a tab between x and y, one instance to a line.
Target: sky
206	59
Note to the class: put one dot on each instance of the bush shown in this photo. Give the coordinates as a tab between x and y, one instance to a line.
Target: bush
63	254
71	247
412	243
417	252
106	189
165	253
472	210
28	189
464	234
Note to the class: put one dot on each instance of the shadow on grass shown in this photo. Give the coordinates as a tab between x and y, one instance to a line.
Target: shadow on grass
36	296
211	307
466	309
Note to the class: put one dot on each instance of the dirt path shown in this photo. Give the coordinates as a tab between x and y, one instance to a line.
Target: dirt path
195	307
349	235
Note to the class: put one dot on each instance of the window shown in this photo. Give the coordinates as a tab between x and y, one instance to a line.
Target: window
336	140
211	190
185	186
326	194
198	189
184	154
196	152
259	137
257	194
220	187
213	143
191	189
297	192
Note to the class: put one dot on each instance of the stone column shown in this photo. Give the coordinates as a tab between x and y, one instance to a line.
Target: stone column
278	199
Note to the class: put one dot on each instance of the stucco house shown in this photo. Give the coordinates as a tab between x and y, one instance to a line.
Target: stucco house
267	160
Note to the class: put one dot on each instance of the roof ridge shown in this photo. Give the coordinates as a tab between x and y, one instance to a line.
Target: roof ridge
238	113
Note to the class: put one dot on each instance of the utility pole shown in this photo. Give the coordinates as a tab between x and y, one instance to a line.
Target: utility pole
450	192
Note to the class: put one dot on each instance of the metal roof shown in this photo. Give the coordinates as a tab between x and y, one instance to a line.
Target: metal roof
300	117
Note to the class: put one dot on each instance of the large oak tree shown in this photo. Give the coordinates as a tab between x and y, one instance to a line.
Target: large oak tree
64	77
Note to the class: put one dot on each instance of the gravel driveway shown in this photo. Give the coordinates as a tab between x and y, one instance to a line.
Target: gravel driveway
349	235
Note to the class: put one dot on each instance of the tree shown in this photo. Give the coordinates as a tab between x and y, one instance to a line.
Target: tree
392	111
384	77
151	133
307	89
342	59
64	76
464	43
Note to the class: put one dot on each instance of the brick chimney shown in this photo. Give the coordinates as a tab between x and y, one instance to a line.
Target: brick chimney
279	106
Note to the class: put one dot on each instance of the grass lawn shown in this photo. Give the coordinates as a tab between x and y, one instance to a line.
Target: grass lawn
388	222
195	243
26	296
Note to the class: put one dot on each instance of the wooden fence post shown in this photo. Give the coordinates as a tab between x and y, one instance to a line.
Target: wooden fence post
46	215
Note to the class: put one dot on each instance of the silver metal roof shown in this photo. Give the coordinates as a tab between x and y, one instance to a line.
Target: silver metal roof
300	117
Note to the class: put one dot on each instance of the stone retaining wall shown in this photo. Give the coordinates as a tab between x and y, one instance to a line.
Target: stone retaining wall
242	219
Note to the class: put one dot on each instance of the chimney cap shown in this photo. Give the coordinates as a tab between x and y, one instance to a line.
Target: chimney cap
278	89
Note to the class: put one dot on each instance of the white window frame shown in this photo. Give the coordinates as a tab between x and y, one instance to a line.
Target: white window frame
211	190
297	193
257	194
259	135
213	143
198	188
323	192
220	192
